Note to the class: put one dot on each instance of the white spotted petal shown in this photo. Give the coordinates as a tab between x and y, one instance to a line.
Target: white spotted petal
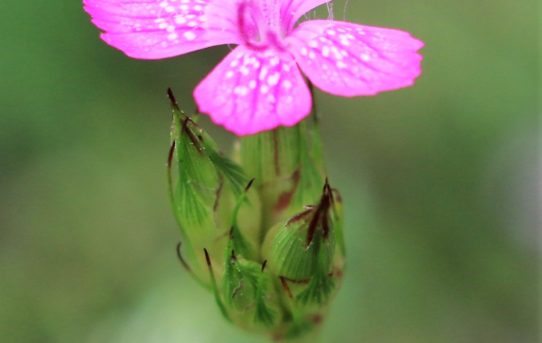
158	29
351	60
259	86
252	91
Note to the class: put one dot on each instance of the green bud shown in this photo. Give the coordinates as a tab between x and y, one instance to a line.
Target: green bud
302	251
288	167
250	296
262	231
204	190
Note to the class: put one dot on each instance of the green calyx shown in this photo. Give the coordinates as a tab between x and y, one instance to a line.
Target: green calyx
261	230
304	246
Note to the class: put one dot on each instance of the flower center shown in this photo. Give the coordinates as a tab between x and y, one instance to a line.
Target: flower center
260	24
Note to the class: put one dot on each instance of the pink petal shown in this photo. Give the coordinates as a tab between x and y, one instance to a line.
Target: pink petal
154	29
252	91
351	60
292	10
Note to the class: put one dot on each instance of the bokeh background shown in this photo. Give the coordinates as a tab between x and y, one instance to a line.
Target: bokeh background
440	183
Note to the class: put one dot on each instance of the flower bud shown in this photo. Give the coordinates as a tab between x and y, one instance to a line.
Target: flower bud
288	167
249	295
204	190
303	251
264	234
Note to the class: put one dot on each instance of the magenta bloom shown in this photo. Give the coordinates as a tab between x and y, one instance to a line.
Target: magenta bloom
259	85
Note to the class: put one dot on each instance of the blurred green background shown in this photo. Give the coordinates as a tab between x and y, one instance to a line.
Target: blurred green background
439	183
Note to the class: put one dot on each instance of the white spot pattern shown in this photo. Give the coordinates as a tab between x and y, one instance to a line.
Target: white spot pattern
348	59
259	86
158	29
251	90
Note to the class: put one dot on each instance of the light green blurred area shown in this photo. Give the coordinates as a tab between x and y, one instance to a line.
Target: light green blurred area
439	183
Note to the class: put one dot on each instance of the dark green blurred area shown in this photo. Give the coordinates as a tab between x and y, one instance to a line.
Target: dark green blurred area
439	182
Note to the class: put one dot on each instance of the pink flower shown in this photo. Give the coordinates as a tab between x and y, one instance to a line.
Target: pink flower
259	85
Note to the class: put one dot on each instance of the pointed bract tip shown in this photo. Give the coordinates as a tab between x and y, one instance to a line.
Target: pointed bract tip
207	258
171	96
326	183
174	104
196	139
249	185
321	213
180	257
328	191
170	154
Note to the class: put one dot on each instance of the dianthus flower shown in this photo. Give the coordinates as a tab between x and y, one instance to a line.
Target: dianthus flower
259	85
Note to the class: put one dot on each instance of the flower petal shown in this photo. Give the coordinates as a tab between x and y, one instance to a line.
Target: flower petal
252	91
154	29
351	60
292	10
